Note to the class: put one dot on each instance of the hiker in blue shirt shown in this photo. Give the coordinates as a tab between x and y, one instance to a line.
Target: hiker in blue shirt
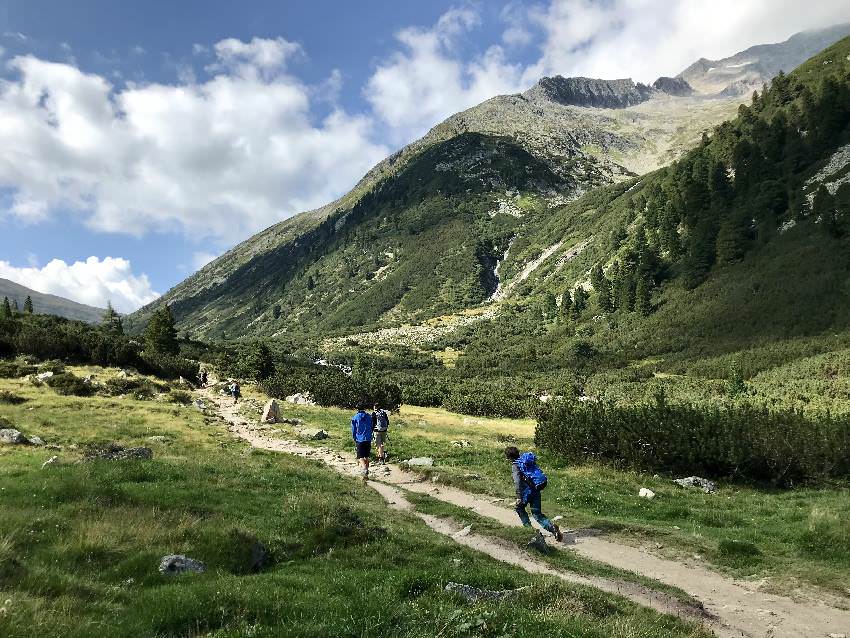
529	481
361	432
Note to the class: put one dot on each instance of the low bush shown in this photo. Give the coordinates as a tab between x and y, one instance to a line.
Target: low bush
10	398
168	366
69	384
737	440
14	369
180	396
333	387
138	387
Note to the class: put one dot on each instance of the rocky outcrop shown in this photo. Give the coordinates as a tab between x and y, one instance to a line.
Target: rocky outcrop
180	564
673	86
606	94
271	412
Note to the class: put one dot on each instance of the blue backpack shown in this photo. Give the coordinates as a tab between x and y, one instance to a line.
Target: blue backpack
531	472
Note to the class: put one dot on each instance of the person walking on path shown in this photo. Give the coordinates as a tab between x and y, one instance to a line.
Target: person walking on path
236	391
529	481
361	432
381	423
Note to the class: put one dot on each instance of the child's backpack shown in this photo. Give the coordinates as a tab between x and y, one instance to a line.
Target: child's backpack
534	476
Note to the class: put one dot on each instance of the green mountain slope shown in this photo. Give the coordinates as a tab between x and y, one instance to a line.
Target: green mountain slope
49	304
498	211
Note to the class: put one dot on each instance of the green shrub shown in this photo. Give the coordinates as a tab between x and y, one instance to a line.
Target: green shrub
333	387
15	369
11	398
70	385
168	366
180	396
53	365
138	387
783	447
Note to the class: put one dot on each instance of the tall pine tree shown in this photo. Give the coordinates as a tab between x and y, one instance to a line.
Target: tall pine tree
28	305
112	321
7	308
160	333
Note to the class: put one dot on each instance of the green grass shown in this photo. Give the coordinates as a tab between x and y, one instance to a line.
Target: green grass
802	535
80	543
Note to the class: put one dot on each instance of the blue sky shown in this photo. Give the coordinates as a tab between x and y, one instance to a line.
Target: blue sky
142	139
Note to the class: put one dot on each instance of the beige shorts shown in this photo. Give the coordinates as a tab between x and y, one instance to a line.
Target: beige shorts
380	438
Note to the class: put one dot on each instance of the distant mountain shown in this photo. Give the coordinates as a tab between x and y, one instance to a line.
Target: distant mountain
748	70
49	304
462	216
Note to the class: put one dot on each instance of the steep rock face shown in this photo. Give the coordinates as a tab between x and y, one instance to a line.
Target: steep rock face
748	70
605	94
673	86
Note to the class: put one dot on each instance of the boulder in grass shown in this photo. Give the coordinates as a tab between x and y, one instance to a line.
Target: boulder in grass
646	493
44	376
709	487
179	564
476	594
13	437
271	412
312	434
420	461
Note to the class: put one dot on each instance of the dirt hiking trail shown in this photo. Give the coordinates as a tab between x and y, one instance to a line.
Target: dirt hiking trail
729	608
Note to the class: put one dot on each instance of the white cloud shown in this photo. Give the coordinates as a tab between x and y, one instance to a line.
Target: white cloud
93	281
427	81
259	56
221	159
644	39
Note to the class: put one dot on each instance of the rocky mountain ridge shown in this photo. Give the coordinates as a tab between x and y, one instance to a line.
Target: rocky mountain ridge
748	70
49	304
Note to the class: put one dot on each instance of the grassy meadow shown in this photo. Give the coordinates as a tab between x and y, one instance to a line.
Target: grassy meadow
796	538
80	542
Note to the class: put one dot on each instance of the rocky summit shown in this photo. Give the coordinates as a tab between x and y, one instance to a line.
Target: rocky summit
606	94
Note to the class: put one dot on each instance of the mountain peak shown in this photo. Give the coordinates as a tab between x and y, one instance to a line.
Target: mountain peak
592	92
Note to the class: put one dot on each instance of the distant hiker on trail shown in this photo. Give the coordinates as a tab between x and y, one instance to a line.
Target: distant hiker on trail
361	432
381	422
529	481
236	391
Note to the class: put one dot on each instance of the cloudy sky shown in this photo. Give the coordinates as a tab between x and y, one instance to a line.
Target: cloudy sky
139	141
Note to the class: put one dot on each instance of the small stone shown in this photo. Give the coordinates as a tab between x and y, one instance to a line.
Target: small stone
709	487
44	376
646	493
464	532
312	434
180	564
36	440
158	438
13	436
271	412
420	461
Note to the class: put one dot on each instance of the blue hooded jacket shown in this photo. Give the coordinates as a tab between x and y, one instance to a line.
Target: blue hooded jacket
361	427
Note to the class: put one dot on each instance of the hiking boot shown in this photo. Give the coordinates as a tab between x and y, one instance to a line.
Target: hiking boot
557	532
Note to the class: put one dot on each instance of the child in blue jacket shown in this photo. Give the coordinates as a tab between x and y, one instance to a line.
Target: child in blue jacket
529	481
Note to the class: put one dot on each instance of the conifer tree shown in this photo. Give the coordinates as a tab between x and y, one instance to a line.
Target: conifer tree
28	305
566	303
112	320
579	302
643	303
160	333
7	308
